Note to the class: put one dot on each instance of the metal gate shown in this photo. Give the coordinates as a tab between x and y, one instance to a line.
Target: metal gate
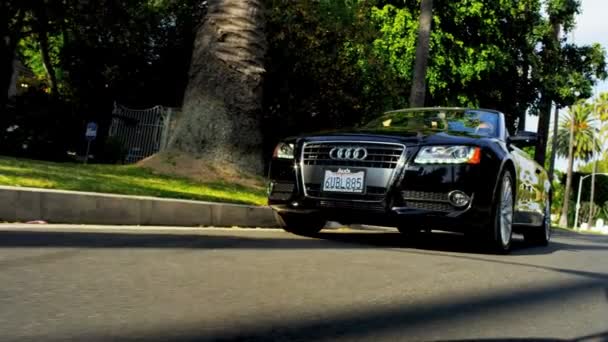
142	132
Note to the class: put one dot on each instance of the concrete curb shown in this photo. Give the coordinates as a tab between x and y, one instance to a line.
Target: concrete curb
54	206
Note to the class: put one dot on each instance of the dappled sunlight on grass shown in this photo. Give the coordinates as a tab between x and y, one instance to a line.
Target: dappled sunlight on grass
12	168
26	182
120	179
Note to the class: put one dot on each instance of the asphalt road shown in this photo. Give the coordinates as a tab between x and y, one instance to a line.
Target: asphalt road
61	283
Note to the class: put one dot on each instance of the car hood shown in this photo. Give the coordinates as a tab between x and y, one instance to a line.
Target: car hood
421	137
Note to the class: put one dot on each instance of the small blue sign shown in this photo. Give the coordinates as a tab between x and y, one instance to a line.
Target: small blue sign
91	133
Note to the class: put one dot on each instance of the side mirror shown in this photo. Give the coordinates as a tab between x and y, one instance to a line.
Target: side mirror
523	139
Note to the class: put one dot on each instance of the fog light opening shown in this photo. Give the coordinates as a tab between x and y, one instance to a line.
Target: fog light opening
295	204
459	198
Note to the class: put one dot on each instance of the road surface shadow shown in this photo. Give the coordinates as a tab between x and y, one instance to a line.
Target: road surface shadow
588	338
438	242
457	243
122	239
405	320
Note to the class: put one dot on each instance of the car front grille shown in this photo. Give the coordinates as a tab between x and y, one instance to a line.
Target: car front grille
283	187
373	207
434	206
426	200
384	156
372	193
281	191
425	196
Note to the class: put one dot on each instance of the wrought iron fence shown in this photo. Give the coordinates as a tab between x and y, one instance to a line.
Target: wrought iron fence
142	132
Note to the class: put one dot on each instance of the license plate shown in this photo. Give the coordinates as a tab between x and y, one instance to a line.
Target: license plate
344	180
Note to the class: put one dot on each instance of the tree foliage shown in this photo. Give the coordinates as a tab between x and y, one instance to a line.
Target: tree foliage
600	108
483	53
585	132
312	82
329	63
135	52
565	72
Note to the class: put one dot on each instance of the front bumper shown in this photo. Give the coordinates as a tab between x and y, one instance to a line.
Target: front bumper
437	215
393	217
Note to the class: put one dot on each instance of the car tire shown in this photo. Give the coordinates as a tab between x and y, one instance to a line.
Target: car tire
540	236
501	232
301	224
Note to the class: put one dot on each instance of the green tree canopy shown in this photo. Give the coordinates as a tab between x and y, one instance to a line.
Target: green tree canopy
329	63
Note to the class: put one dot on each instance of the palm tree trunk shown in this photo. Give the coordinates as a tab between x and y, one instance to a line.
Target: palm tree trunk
418	92
545	105
7	60
42	30
221	112
10	35
43	40
554	144
563	220
543	130
592	199
521	124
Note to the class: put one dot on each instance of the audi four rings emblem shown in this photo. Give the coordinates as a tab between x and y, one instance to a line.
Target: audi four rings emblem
348	153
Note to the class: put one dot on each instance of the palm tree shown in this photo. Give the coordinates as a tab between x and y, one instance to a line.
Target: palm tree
575	140
418	91
221	110
601	110
601	106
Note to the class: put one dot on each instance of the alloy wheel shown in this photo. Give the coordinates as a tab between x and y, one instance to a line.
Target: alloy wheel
506	212
547	221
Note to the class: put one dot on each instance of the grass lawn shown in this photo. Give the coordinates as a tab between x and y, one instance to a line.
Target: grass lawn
122	179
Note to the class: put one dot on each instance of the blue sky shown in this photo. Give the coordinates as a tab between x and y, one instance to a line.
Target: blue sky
591	27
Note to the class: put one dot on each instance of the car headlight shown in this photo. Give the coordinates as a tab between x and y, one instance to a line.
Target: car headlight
284	151
448	155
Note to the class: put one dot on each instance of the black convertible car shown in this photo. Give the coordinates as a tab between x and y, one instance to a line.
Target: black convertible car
452	169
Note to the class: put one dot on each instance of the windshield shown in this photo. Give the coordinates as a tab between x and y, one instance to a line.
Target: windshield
476	122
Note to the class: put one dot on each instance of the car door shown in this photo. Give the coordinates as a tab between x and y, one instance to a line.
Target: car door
531	192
